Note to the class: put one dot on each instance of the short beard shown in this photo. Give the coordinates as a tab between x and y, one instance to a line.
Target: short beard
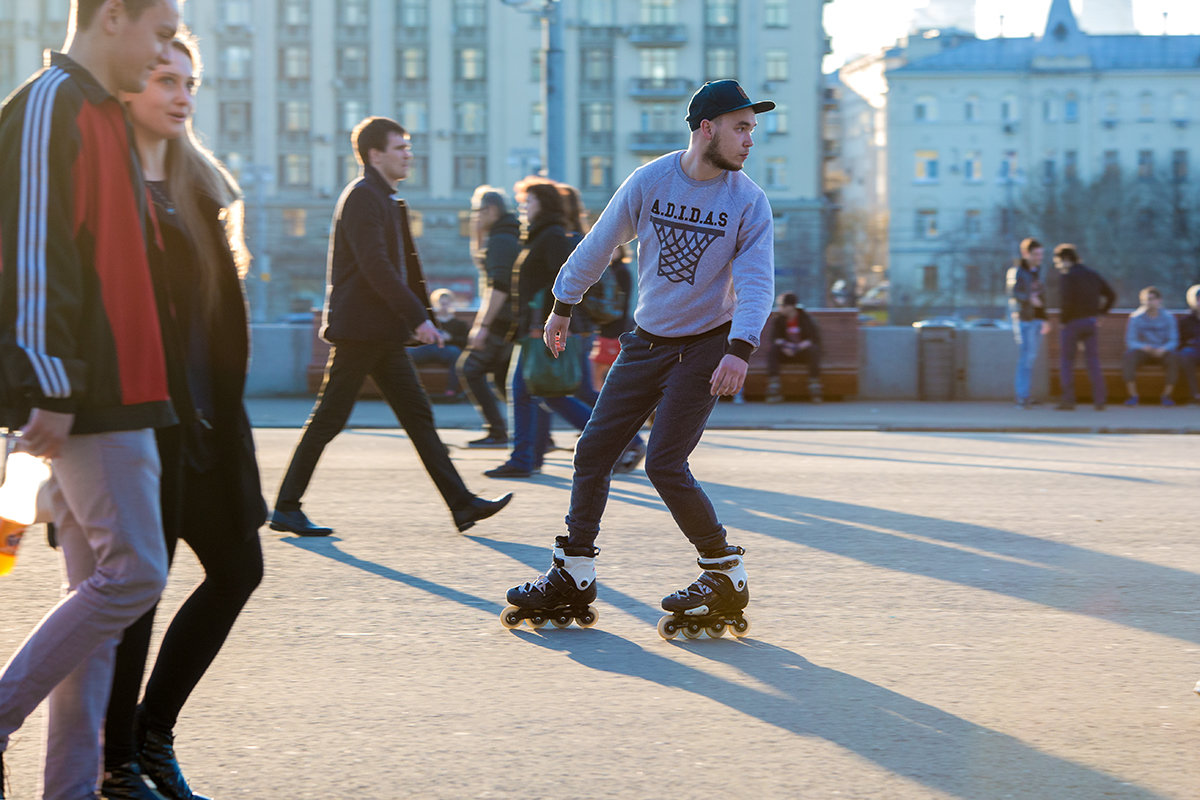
712	154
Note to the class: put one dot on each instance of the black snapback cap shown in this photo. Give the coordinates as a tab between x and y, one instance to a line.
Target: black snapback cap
720	97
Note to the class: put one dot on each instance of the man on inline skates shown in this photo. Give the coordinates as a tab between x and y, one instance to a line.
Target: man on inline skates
705	288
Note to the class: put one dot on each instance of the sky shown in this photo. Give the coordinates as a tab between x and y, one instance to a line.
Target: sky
864	26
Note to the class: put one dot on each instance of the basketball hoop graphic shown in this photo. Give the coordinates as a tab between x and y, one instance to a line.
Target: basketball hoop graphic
681	247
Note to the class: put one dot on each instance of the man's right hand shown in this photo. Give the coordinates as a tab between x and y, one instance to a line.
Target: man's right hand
555	333
427	333
45	432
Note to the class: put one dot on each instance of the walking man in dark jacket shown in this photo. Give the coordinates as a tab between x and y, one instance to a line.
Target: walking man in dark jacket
496	235
1084	296
376	304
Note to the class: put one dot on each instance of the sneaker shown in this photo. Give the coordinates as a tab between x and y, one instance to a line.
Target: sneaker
1167	402
1131	402
491	440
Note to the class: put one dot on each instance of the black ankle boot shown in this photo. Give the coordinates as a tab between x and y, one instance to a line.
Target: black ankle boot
157	755
128	782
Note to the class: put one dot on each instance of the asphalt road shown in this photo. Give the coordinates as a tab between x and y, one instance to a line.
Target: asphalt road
935	615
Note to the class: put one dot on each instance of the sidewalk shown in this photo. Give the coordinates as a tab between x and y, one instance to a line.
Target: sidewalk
852	415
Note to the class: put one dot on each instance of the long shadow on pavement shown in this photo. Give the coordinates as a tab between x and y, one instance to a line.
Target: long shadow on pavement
913	739
1074	579
327	547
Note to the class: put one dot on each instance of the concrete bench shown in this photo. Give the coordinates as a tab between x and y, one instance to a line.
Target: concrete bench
839	359
1111	339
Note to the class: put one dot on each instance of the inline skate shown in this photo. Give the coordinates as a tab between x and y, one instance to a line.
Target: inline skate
713	603
563	594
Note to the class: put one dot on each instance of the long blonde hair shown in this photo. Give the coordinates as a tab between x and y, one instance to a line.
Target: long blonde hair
193	170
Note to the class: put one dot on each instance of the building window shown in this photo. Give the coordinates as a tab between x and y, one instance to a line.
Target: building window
352	113
470	64
927	223
1049	109
1179	107
1145	165
598	13
414	115
412	63
235	12
659	117
1071	108
470	13
418	178
1010	167
536	65
720	13
1110	107
659	63
234	162
1049	170
352	62
295	116
1009	110
1112	163
296	169
413	13
235	62
776	62
469	171
347	168
658	12
973	223
235	118
470	117
925	109
971	109
927	166
537	119
720	62
354	13
929	278
777	172
1179	165
1071	165
973	278
597	172
973	166
595	64
775	13
1146	107
294	12
295	222
597	117
777	120
294	60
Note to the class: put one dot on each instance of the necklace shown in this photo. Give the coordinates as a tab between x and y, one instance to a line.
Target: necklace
158	190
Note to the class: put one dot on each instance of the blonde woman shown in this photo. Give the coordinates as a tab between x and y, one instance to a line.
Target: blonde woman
211	495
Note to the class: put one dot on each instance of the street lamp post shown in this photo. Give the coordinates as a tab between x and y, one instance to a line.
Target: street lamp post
553	82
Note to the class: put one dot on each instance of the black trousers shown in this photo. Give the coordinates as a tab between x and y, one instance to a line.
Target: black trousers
196	509
390	366
484	373
810	355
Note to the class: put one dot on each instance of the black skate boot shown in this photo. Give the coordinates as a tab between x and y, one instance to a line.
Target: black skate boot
561	595
713	602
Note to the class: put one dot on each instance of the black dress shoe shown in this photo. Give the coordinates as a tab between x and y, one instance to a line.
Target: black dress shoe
478	509
157	757
508	470
295	522
128	782
491	440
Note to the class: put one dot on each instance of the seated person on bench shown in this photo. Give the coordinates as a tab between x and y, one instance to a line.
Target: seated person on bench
795	338
1151	337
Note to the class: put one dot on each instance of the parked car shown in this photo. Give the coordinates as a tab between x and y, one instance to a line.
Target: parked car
987	322
939	322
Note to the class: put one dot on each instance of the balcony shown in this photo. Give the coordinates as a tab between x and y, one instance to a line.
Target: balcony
657	141
596	141
598	35
661	88
724	35
657	35
470	34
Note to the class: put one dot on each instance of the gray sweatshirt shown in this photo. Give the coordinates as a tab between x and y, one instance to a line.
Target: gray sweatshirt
706	251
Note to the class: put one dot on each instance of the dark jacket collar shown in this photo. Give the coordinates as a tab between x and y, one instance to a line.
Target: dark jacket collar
92	90
376	180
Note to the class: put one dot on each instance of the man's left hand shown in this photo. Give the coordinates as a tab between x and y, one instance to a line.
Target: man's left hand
428	333
729	376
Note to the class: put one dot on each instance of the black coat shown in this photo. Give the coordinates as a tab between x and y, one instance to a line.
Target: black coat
546	250
377	290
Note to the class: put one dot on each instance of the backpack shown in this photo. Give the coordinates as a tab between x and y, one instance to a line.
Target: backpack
604	302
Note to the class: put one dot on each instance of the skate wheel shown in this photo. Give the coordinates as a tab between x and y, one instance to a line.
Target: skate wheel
716	630
692	631
740	627
510	617
667	628
537	622
561	622
589	617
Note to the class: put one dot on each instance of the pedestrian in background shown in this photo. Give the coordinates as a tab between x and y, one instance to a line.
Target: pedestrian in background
211	495
84	367
1151	337
1084	296
495	245
1189	342
455	333
375	305
795	339
1027	307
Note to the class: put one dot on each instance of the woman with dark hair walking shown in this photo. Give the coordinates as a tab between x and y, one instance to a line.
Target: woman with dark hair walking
211	497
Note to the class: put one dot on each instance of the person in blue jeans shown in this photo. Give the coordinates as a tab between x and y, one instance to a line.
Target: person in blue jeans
1084	296
1027	306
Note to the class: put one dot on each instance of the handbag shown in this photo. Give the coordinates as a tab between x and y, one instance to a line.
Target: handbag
545	375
